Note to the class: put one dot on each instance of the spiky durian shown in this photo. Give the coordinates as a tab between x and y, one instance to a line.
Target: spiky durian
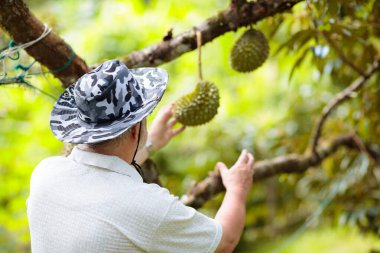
199	106
250	51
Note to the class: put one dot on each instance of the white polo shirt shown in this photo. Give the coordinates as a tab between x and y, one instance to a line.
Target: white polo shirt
88	202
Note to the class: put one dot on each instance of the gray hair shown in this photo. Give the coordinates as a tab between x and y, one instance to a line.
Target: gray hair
112	142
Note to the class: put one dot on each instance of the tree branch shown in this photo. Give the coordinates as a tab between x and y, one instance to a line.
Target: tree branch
17	80
52	51
238	14
150	172
13	80
289	164
338	99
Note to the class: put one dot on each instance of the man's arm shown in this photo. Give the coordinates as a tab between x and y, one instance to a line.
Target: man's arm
160	133
231	214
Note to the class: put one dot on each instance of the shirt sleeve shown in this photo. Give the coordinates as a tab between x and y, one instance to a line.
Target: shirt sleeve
183	229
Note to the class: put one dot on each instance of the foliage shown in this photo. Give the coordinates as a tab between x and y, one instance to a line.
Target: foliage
316	51
326	240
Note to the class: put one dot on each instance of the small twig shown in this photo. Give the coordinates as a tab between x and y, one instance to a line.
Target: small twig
338	99
40	90
169	35
199	45
47	80
371	151
342	55
16	80
361	145
13	80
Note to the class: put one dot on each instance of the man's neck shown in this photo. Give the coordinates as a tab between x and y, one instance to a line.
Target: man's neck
124	153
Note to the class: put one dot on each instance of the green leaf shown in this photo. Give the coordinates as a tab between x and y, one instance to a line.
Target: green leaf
299	61
297	40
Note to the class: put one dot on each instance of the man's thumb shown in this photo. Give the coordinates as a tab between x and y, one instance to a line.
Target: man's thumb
221	167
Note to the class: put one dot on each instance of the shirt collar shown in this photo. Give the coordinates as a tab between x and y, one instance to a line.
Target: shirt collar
108	162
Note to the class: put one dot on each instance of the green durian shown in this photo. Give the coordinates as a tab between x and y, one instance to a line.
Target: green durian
250	51
199	106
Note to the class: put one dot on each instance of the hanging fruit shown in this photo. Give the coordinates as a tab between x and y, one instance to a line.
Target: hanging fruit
250	51
199	106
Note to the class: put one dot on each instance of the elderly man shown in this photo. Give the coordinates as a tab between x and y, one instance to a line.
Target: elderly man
95	200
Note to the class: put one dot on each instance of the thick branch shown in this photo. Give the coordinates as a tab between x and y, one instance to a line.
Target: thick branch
237	3
240	13
52	51
338	99
293	163
150	172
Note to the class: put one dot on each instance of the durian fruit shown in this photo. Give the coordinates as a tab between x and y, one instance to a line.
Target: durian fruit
250	51
199	106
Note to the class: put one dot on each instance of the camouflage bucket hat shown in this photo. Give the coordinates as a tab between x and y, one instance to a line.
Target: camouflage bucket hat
106	102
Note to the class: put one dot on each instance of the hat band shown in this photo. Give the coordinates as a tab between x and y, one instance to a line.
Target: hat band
112	117
101	121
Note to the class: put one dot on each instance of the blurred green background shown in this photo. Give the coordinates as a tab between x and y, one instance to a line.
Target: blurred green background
271	112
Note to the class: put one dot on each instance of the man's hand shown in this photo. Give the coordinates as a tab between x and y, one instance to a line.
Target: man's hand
162	128
160	132
238	179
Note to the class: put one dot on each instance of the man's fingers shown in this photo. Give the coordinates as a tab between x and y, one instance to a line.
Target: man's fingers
174	132
221	167
166	112
251	159
172	122
178	131
243	157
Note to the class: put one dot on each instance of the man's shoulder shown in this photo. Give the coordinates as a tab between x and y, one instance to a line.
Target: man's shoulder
152	195
53	159
50	162
157	192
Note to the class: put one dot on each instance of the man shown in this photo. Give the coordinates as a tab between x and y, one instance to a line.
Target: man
95	200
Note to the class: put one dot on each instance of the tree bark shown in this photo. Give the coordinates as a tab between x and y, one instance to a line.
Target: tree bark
52	51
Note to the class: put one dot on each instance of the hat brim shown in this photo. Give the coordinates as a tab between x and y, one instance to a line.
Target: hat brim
68	127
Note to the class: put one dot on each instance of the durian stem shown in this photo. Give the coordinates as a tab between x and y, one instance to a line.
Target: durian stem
199	45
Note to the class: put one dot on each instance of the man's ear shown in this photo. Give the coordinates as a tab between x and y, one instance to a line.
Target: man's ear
135	131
